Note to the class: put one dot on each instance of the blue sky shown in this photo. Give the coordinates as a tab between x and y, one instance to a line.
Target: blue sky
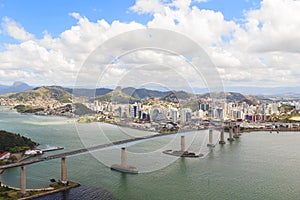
53	15
46	42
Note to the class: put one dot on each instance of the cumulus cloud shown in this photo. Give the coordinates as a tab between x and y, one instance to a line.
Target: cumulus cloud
15	30
261	49
148	6
272	27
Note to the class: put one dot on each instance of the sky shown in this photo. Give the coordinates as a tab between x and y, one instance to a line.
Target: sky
250	42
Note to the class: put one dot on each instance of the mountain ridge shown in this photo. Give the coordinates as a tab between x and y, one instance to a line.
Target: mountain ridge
128	94
17	86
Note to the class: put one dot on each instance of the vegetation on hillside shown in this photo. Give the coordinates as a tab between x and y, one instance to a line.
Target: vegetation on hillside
117	96
27	109
44	92
14	142
81	109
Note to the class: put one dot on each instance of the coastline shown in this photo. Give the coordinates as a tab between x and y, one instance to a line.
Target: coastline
45	193
14	193
249	130
281	129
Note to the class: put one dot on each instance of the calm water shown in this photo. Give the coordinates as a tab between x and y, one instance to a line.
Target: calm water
257	166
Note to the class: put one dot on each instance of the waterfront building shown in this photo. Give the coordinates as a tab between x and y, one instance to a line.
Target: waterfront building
5	155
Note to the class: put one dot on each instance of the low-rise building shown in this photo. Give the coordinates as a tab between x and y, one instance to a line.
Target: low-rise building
5	155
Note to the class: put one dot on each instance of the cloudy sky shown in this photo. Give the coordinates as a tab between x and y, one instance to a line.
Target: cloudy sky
250	42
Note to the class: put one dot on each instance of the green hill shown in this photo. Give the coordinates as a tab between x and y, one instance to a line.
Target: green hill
53	92
117	96
175	96
14	142
143	93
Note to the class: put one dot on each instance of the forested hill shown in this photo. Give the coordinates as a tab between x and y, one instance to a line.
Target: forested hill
14	142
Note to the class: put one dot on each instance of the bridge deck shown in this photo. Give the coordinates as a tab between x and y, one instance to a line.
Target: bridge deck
74	152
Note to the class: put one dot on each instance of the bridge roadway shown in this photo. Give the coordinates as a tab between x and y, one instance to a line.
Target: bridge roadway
79	151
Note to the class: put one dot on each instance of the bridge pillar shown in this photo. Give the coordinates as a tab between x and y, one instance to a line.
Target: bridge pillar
123	167
239	130
210	138
230	134
235	130
23	180
182	143
222	138
123	157
63	170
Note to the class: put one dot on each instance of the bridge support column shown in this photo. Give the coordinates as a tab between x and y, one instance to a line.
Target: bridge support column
63	170
239	130
230	139
210	138
222	138
23	180
182	143
123	167
235	130
123	157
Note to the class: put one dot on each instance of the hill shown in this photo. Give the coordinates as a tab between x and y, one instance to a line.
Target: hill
14	142
117	96
176	96
44	92
81	109
230	96
82	92
143	93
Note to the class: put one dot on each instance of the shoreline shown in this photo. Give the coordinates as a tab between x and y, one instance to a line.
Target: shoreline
72	185
270	130
40	192
169	132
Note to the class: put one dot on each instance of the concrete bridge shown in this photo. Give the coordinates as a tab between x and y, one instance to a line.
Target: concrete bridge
233	128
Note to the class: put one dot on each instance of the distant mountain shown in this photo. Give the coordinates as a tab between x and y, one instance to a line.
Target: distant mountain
142	93
130	94
16	87
278	91
231	97
82	92
176	96
117	96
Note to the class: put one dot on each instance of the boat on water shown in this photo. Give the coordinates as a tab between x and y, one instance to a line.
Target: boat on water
52	149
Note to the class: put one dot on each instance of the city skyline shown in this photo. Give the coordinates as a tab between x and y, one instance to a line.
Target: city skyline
250	42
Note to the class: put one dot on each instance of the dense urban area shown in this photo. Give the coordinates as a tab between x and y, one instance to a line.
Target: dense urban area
155	110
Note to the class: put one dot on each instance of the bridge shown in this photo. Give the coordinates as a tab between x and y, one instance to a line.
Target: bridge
234	132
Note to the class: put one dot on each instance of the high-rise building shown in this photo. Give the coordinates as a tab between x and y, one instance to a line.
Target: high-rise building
219	113
174	115
185	115
204	106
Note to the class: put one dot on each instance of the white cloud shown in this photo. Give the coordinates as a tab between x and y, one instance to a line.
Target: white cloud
262	50
148	6
15	30
273	27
